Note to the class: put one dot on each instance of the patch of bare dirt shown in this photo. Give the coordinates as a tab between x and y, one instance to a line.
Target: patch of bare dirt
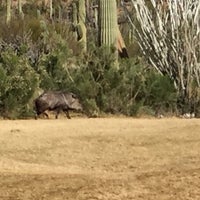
108	158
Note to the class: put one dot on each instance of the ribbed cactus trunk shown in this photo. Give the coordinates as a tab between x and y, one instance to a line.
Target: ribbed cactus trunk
21	14
81	24
51	9
78	17
108	27
8	12
74	18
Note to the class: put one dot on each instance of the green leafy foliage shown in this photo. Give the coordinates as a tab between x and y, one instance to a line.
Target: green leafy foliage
17	85
131	90
38	55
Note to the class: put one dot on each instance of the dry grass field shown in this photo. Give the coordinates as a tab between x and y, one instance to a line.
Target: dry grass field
100	159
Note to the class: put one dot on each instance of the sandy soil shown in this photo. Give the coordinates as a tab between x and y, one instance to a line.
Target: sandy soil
100	159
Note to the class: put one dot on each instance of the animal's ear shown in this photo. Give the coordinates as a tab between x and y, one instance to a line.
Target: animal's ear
73	95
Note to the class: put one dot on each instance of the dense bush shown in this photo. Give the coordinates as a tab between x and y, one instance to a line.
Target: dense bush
32	61
132	90
18	82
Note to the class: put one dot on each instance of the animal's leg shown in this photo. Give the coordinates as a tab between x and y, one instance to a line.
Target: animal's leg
67	114
39	113
46	115
57	113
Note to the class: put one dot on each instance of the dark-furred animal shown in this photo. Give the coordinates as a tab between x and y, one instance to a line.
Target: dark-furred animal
57	101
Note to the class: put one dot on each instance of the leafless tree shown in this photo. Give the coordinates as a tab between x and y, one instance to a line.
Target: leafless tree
168	32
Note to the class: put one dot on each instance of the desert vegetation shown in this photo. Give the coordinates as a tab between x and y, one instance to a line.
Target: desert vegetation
127	61
118	64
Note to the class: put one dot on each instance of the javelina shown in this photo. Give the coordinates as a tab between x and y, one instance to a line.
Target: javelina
57	101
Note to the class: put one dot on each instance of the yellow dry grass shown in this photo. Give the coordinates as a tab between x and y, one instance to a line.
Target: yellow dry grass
102	159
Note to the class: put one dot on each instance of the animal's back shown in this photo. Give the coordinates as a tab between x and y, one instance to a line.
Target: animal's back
52	98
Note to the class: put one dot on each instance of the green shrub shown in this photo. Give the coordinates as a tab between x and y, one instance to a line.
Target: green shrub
42	57
17	85
161	94
131	90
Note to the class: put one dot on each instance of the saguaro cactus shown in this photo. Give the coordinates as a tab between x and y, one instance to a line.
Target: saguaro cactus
78	18
8	12
20	9
74	18
51	9
108	27
81	23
